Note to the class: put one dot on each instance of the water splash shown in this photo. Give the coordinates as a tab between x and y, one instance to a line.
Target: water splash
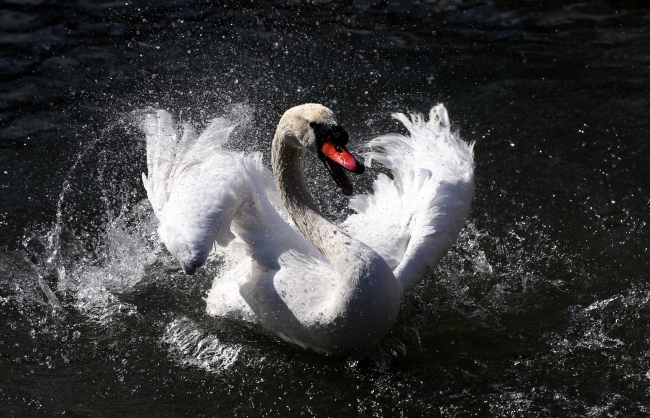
94	277
490	274
599	326
192	347
86	261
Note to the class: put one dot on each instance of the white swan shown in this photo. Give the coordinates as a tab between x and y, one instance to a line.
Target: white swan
321	286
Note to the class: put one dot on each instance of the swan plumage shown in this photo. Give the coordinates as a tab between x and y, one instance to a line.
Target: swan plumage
424	206
311	282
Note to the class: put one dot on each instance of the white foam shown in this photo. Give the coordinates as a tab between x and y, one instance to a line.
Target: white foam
192	347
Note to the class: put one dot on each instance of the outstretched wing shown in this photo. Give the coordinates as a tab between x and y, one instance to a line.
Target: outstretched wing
413	219
194	186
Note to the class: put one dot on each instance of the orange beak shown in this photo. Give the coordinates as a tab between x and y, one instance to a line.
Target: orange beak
341	156
337	156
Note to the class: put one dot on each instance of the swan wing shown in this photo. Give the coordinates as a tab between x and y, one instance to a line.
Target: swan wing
413	219
195	186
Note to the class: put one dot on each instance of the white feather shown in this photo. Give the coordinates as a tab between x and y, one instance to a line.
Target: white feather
413	219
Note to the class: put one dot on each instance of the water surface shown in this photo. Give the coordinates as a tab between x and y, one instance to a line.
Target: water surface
540	309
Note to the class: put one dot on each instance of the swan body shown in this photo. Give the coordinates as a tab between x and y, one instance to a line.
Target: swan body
316	284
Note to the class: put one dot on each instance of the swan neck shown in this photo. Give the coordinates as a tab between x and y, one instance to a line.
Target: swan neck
287	162
367	287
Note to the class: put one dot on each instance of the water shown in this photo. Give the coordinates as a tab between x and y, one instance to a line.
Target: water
540	309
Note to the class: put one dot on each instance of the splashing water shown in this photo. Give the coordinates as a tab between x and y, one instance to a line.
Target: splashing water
88	271
192	347
118	266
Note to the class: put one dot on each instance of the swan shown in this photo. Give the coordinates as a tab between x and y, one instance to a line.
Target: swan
322	286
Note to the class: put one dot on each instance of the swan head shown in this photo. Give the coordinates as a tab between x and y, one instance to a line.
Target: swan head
312	127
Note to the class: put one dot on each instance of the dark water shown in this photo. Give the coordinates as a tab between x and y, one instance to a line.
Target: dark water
542	308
